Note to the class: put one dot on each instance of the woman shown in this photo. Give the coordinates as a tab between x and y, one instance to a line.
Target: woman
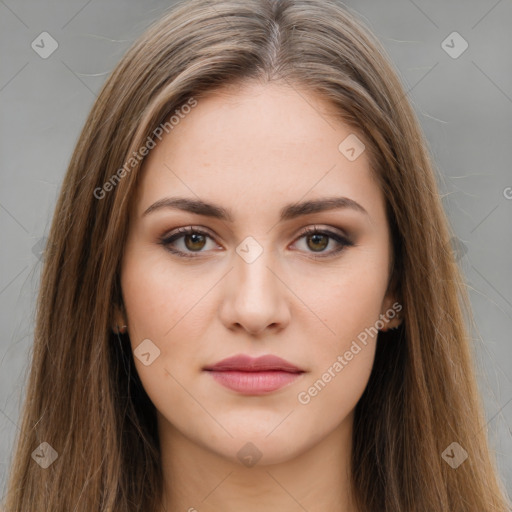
249	300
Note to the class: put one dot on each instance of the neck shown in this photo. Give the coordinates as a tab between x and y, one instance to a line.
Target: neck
196	479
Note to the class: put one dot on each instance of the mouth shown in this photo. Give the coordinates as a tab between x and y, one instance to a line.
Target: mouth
254	376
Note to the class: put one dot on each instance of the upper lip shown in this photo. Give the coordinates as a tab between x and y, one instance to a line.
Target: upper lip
245	363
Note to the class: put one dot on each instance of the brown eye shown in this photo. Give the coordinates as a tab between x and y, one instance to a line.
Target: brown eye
194	241
318	241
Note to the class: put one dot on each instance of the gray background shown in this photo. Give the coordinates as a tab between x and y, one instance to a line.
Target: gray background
464	105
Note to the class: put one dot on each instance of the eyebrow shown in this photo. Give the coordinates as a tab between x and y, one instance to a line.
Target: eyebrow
289	212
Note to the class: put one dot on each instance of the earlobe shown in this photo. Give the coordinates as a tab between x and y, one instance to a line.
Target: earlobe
392	324
120	329
390	314
118	324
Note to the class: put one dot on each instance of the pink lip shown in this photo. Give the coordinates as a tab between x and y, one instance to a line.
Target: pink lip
254	376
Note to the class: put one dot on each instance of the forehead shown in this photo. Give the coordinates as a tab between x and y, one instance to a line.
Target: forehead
256	145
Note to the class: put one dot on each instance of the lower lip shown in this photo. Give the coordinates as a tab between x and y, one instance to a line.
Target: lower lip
254	383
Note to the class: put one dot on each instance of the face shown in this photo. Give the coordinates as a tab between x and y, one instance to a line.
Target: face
248	277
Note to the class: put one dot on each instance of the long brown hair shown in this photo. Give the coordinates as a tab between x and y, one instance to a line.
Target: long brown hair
84	397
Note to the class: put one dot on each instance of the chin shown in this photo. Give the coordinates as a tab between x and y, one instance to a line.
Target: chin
250	448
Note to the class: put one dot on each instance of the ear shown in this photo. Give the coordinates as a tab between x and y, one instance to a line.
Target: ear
118	319
391	308
390	313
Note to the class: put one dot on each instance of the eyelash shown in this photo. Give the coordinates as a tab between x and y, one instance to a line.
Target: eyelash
167	240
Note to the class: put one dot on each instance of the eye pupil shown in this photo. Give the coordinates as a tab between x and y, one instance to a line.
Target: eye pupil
316	237
196	238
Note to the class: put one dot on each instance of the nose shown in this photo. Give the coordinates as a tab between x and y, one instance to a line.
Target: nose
256	297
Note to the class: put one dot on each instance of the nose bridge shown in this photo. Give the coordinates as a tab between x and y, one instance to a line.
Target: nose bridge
254	279
257	298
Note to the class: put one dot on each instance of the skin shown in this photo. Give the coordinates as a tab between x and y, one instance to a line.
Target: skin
254	149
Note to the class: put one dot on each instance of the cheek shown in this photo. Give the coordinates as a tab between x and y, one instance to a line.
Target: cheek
344	353
168	308
160	299
330	396
345	344
349	300
159	308
356	307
